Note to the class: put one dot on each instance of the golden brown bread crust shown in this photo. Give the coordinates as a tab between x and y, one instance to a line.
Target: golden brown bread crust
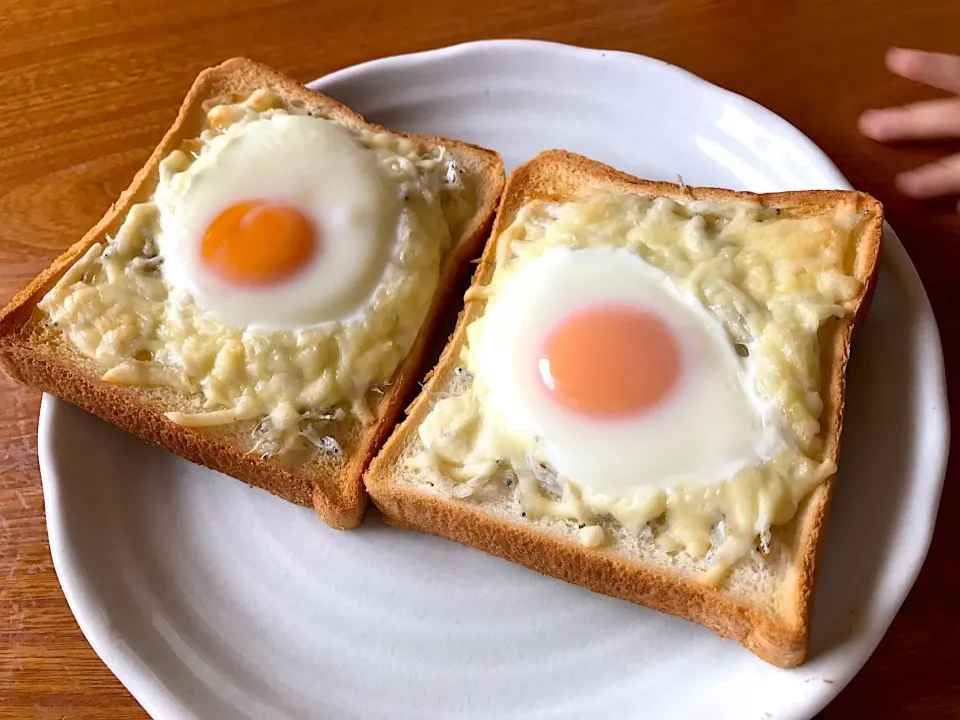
779	638
339	501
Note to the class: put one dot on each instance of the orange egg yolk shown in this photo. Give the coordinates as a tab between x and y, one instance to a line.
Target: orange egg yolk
258	242
610	361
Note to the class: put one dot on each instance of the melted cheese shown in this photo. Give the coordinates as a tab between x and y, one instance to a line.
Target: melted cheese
118	308
771	280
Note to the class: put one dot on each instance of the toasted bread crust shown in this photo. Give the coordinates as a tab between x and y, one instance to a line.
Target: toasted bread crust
339	501
781	638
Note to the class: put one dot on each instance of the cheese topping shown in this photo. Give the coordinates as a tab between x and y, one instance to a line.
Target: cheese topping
771	281
119	307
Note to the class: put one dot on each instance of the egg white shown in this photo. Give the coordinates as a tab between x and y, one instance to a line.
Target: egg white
710	425
311	164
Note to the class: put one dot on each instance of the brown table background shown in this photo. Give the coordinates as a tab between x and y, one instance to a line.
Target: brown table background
88	88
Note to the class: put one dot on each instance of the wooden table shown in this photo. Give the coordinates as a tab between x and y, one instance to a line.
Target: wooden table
87	89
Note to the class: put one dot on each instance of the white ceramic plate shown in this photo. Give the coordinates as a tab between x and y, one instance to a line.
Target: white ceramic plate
212	600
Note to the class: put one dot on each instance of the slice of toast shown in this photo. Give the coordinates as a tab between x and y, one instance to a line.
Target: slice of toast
33	353
765	605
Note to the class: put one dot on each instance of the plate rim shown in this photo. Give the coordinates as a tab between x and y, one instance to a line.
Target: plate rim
159	699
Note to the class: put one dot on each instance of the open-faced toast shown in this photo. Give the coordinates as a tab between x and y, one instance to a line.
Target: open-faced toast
34	351
763	600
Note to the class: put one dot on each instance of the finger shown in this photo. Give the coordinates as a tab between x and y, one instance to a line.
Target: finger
924	120
933	180
938	70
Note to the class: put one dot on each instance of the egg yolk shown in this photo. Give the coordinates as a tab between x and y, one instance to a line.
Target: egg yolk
610	361
258	242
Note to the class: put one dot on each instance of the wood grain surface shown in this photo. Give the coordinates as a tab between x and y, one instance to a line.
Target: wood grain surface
87	89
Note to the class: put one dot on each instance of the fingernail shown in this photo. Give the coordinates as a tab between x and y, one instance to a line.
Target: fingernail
909	183
897	52
871	123
900	59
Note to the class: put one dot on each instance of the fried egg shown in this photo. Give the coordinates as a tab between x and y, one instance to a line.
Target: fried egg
281	223
624	381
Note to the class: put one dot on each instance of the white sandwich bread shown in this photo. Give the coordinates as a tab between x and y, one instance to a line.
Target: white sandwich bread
644	394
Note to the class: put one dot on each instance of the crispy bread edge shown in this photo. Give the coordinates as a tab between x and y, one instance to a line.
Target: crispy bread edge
340	504
781	640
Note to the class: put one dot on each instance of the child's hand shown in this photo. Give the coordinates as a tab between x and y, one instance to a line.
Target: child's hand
922	120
